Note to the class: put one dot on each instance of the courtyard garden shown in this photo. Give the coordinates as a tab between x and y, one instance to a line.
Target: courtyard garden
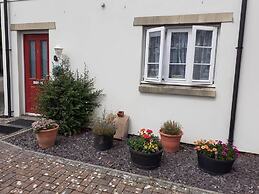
180	167
71	130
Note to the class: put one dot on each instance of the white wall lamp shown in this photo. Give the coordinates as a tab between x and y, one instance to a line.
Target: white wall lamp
58	53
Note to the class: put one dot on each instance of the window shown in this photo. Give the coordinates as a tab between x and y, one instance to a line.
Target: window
180	56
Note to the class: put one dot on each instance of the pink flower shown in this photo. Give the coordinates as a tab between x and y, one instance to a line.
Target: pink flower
149	131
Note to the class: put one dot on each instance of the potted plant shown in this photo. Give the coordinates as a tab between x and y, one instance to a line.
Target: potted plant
104	129
215	157
145	150
171	133
46	132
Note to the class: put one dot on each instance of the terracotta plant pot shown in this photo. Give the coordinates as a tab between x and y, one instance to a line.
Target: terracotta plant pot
170	143
120	114
47	138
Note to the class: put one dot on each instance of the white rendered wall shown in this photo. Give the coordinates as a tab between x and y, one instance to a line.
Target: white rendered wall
106	40
247	128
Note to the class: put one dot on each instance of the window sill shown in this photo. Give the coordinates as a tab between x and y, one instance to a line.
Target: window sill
201	91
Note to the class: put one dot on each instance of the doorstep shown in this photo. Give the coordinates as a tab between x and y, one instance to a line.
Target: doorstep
15	129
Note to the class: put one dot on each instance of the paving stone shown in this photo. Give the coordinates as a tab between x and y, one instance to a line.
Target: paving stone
7	183
62	186
87	180
48	186
120	187
67	191
19	191
132	189
7	189
114	182
35	184
90	188
105	188
96	191
47	192
77	192
76	187
47	179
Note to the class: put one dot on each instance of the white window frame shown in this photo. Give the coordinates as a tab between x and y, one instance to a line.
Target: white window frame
161	55
213	53
167	57
164	58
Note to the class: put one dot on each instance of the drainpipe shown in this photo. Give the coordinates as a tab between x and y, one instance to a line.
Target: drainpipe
237	71
6	29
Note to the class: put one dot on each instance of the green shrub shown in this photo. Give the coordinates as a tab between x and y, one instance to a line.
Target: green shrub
171	128
69	99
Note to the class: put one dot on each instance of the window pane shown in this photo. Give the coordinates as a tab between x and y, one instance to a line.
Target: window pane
201	72
202	55
32	60
203	38
44	59
154	47
153	70
177	71
178	51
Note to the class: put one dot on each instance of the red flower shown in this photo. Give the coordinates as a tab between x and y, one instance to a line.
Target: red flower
146	136
149	131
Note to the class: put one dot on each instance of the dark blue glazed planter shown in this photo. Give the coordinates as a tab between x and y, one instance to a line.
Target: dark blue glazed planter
213	166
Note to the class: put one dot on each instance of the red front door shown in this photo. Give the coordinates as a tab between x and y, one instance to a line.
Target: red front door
36	60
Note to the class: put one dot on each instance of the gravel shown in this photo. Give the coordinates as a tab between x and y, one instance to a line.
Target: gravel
178	168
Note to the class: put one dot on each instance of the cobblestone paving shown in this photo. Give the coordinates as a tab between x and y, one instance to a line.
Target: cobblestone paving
24	171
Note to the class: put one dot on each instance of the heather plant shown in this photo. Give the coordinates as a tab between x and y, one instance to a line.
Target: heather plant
216	149
43	124
171	128
69	98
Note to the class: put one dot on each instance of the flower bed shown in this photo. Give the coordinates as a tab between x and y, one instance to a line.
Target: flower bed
179	168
